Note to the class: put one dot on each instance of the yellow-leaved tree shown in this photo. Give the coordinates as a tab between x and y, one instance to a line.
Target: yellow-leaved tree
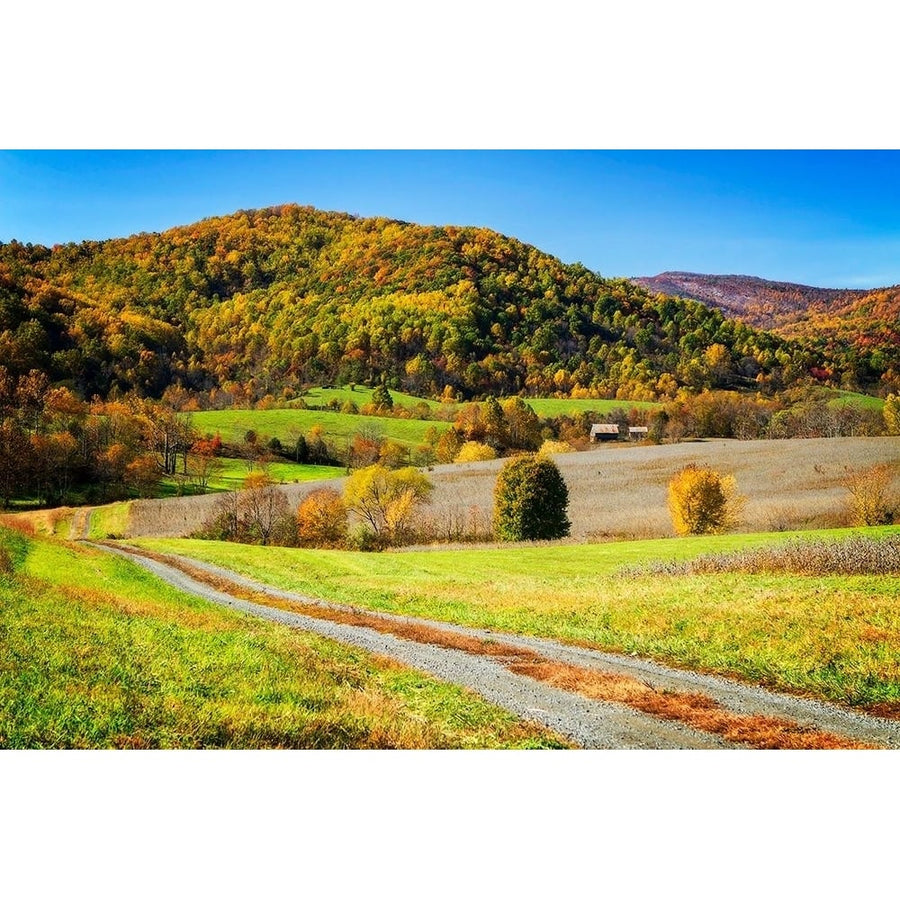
703	501
385	500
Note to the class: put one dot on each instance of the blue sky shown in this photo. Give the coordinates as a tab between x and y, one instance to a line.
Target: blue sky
828	218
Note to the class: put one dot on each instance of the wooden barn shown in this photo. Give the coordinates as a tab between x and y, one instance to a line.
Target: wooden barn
637	432
604	433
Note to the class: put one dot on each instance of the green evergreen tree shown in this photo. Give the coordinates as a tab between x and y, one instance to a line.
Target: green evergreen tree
530	501
382	399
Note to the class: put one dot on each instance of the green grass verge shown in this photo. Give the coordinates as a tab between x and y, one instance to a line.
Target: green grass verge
96	652
111	519
835	637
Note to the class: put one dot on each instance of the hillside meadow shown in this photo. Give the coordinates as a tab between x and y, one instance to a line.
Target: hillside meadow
827	636
289	424
97	653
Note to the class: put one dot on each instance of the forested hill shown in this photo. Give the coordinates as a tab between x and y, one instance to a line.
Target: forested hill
263	301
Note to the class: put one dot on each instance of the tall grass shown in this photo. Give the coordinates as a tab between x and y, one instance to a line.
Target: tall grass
858	554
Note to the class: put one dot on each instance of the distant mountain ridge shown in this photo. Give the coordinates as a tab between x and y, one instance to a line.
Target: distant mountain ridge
865	321
756	301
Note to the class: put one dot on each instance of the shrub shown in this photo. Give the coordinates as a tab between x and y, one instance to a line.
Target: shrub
322	520
530	501
473	451
393	454
870	501
549	447
702	501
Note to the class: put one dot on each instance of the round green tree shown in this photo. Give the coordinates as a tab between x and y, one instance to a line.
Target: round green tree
530	501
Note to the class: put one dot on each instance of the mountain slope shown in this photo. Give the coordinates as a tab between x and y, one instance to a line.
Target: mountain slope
757	301
262	301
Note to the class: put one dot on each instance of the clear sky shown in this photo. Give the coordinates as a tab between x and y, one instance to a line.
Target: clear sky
826	218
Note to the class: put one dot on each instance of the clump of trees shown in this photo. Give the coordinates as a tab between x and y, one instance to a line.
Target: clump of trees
703	501
530	501
258	514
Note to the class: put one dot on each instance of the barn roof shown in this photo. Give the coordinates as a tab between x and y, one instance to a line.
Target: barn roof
604	429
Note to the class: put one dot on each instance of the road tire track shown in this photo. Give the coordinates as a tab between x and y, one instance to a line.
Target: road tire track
590	723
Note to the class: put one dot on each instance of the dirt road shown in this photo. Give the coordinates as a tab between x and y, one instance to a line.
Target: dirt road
511	671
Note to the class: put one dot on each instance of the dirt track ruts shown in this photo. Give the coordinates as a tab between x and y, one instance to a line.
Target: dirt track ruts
591	723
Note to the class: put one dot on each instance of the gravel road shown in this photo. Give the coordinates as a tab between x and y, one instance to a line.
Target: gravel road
590	723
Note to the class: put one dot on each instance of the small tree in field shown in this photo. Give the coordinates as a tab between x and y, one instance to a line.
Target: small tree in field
322	520
382	399
530	501
702	501
891	413
870	501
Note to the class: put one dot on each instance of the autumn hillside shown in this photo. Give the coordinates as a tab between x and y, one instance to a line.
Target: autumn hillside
261	302
837	322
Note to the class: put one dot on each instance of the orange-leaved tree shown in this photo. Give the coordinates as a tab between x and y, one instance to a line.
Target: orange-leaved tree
322	520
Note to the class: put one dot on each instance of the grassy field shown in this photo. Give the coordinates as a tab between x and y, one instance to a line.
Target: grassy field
550	407
361	395
98	653
287	424
863	401
546	407
834	637
233	472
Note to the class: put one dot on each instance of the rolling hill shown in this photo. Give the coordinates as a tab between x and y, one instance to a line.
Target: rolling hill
262	302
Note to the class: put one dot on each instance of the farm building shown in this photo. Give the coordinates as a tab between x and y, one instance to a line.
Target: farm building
637	432
604	433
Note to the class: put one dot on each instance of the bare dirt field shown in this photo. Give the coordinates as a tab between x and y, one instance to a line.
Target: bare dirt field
620	491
